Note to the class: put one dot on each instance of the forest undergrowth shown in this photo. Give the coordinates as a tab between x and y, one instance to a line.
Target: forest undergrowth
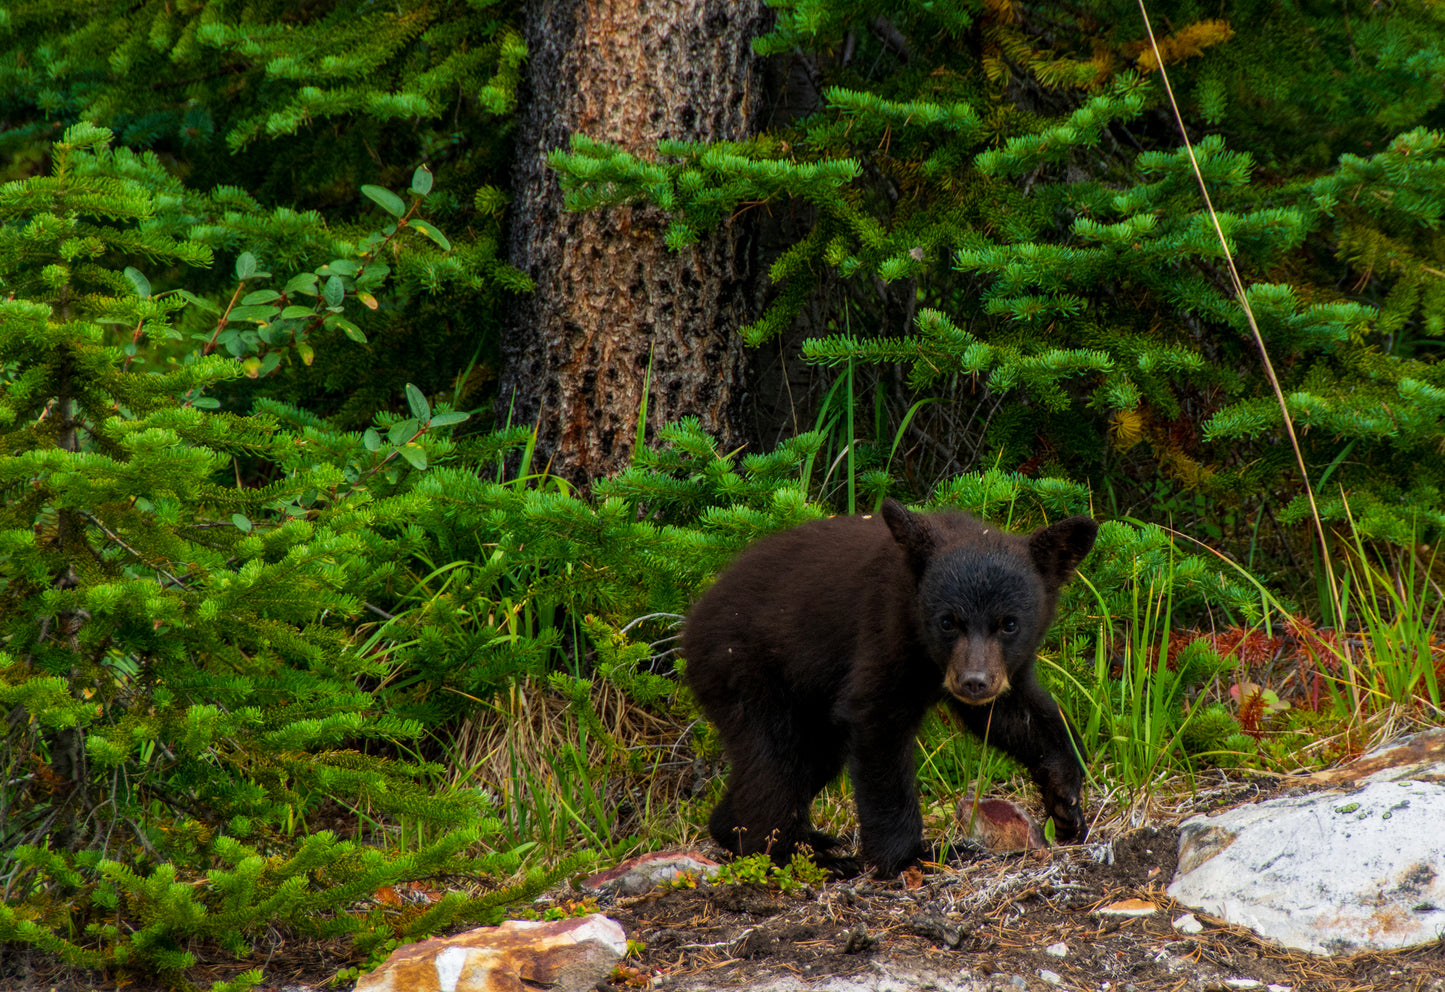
303	644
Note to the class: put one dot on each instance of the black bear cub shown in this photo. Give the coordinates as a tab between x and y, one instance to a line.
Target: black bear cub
828	643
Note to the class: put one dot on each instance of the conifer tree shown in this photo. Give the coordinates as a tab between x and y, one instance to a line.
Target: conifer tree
174	665
277	114
623	323
1016	169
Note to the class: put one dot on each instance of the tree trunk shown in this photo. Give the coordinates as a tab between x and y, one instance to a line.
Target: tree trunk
610	298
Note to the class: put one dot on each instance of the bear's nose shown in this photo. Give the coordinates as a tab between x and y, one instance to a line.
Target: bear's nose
974	685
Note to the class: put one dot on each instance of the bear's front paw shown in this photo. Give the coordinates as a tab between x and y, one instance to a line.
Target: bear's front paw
1061	781
1067	812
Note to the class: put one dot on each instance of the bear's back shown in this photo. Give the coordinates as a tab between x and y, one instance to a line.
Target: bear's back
790	609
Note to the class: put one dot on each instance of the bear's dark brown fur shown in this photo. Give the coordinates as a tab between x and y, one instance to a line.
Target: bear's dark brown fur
828	643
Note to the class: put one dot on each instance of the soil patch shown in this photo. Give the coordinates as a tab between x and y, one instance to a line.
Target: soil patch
996	921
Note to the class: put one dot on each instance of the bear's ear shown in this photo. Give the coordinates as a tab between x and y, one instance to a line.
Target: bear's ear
912	532
1057	550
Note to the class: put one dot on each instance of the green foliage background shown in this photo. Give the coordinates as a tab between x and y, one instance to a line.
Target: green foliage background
1018	172
264	549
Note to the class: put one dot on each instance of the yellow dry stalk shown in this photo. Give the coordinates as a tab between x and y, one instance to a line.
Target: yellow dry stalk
1186	43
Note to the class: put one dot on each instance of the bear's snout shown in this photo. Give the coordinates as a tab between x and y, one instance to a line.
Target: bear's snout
976	672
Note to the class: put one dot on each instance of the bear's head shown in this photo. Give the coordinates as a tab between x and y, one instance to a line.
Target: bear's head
984	596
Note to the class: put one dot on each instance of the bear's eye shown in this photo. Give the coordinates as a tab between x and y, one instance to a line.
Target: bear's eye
947	625
1009	625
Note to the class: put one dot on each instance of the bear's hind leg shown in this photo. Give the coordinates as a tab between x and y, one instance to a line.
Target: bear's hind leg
780	758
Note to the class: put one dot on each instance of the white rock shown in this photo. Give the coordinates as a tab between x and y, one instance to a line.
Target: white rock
1243	983
1325	873
1059	950
1052	977
1188	924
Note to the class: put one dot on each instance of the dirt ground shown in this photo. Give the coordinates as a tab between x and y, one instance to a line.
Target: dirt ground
986	922
981	923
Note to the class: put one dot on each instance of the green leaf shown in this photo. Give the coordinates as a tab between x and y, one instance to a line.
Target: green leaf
374	275
370	440
199	303
260	315
385	199
335	291
421	181
446	419
139	281
304	282
260	296
340	267
420	408
297	313
350	329
241	522
257	314
414	454
431	232
402	431
245	265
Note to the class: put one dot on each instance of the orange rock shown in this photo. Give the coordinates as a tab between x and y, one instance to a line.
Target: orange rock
564	955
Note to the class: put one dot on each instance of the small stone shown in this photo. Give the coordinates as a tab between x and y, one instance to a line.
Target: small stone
1127	908
1018	980
1188	924
1243	983
1059	950
642	874
858	941
1273	987
1052	977
999	825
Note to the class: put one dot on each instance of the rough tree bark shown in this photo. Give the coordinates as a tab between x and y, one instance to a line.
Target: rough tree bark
608	291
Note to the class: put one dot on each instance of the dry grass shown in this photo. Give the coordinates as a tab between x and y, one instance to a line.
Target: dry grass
599	770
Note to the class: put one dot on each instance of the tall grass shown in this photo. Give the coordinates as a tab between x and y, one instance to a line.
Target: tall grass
1131	707
1396	607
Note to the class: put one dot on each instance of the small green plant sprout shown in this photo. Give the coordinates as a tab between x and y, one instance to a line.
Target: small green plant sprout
684	880
564	910
629	975
801	872
758	869
754	869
